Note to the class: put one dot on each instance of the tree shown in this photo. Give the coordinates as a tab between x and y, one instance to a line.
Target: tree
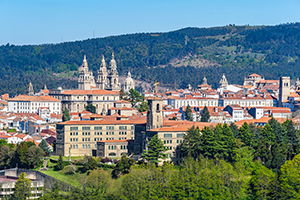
292	138
234	130
210	144
60	163
123	166
99	180
245	134
188	113
267	134
22	187
90	108
6	156
278	130
261	182
191	145
66	115
44	145
290	179
34	156
205	115
156	150
22	150
122	94
135	97
143	106
90	164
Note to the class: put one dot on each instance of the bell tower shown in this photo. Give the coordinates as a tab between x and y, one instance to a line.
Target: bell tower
284	89
102	75
154	113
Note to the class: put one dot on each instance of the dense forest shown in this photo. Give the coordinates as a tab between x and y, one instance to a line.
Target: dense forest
174	58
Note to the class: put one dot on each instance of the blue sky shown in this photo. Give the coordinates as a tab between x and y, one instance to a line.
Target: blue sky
53	21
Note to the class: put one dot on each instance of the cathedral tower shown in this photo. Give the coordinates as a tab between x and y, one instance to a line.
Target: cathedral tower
30	89
154	113
223	81
102	75
284	89
86	79
113	77
129	83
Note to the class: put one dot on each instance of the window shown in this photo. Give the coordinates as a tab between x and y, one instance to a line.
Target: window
132	127
98	128
180	135
85	128
167	135
73	128
157	107
122	127
111	154
109	128
71	133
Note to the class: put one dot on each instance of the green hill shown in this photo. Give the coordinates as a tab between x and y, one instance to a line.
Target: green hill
183	56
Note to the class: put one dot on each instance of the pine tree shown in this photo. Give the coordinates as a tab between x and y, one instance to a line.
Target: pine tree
66	115
60	163
245	134
188	113
278	157
22	187
279	131
156	150
235	130
292	138
22	150
205	115
44	145
267	134
123	166
191	145
90	108
228	139
209	143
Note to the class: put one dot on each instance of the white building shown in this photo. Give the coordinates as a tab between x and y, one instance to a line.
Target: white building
31	104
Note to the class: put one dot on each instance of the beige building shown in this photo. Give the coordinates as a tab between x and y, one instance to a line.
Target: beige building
31	104
77	100
80	138
115	148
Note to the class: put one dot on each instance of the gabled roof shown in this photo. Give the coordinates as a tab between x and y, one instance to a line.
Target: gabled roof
33	98
90	92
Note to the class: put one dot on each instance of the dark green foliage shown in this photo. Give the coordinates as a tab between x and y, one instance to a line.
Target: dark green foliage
30	144
278	130
205	115
34	157
235	130
66	115
246	135
135	97
292	138
123	166
22	149
156	150
210	146
188	113
44	145
60	163
90	163
191	145
143	106
90	108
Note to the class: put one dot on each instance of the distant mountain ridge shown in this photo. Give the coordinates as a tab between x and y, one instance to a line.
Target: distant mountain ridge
174	58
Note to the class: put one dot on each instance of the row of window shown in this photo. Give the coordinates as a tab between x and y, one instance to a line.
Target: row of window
112	147
86	128
168	141
86	139
74	146
86	146
98	139
169	135
122	138
73	139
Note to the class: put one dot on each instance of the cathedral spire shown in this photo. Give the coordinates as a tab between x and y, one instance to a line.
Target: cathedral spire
129	74
84	62
223	81
204	81
30	89
45	87
113	64
103	63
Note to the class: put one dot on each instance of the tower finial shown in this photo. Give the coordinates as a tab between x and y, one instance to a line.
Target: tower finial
113	56
84	58
103	58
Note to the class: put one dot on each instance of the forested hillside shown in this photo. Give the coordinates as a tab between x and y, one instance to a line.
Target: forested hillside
174	59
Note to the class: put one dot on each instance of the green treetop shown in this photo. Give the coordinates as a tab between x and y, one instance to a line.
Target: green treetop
66	115
156	150
90	108
188	113
205	115
44	145
22	187
191	144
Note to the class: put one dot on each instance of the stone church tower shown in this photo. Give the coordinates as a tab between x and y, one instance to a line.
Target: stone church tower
30	89
154	113
86	79
129	83
284	89
223	81
102	75
113	76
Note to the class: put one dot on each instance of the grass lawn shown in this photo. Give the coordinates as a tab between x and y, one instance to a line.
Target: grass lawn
67	157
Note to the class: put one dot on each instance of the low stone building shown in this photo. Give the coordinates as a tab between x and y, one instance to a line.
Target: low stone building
115	148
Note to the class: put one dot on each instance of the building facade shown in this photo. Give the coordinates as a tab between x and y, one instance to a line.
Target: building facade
31	104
